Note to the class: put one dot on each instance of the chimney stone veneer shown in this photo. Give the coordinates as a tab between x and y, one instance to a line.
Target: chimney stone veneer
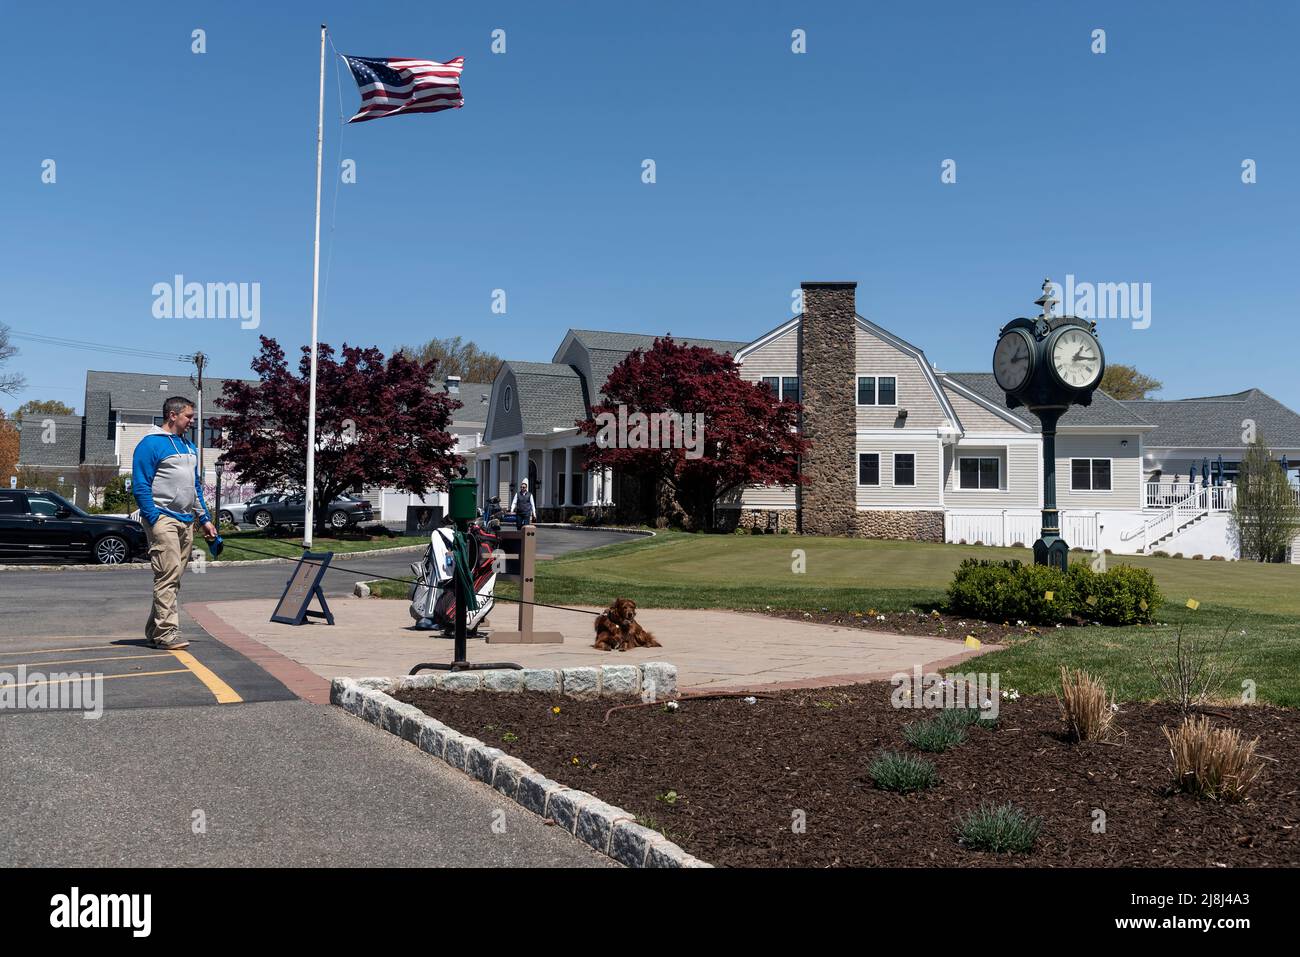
827	359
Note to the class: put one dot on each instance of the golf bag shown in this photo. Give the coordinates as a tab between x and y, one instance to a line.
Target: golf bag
433	596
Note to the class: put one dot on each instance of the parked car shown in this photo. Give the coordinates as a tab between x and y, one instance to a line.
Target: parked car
291	509
237	513
37	522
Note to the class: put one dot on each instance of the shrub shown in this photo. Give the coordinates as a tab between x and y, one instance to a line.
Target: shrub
1160	553
117	498
893	771
933	734
1125	595
965	717
1084	706
1007	591
999	828
1213	762
578	519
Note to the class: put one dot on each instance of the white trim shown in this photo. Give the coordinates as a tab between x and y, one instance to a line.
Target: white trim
958	487
919	356
767	337
893	478
858	469
979	400
898	508
1090	459
875	391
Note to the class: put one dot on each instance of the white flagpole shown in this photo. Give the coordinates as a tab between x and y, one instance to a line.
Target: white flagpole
310	491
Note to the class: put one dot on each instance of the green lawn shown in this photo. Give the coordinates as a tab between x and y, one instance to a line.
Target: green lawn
679	570
290	546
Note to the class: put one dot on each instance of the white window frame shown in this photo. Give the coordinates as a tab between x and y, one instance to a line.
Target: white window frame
858	476
875	391
978	458
1092	460
894	476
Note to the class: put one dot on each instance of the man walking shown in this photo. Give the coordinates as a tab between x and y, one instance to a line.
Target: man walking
165	481
522	505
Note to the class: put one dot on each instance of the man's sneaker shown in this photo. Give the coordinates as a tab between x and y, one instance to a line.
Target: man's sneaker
171	646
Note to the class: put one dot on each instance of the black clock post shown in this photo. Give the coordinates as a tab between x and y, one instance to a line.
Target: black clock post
1048	364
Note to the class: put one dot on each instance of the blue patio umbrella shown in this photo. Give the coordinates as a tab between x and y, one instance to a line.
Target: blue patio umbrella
1286	469
1218	471
1205	471
1191	476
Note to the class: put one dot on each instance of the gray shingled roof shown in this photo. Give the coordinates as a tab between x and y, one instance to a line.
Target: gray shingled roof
64	451
141	392
1104	410
549	396
1215	421
625	342
474	398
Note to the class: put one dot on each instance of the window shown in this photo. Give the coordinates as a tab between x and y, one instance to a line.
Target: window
509	397
790	388
773	382
12	504
877	390
868	468
1090	475
904	468
41	505
211	435
978	473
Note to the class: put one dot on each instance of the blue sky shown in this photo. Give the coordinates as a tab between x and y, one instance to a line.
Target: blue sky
772	167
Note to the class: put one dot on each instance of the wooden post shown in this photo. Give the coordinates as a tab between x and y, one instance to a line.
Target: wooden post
525	635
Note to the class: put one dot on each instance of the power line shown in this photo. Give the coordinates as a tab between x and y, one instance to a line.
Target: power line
100	347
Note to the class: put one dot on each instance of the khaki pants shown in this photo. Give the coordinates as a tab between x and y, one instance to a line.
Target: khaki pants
170	543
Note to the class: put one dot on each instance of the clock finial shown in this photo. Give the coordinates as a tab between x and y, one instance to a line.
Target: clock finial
1047	301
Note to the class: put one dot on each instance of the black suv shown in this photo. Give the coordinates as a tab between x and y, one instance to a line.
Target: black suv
37	523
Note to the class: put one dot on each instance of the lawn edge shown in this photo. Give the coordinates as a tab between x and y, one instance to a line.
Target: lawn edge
606	828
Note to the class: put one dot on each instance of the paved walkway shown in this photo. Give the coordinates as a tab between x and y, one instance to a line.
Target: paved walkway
711	649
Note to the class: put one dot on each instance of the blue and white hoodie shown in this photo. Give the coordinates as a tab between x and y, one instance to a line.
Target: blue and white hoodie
165	478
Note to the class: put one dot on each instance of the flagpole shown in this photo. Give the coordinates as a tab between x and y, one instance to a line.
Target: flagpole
310	491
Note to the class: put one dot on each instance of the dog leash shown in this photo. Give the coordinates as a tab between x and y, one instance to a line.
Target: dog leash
405	581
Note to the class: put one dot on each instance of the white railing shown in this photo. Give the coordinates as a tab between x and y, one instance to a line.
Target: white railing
1168	494
1181	513
1006	528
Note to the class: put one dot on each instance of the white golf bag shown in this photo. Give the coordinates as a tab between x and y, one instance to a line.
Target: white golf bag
433	597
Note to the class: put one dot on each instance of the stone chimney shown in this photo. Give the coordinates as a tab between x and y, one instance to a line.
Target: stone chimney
827	351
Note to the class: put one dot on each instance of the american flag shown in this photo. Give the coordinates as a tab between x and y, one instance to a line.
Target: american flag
392	86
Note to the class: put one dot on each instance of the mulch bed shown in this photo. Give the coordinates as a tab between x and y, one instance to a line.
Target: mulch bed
929	624
738	773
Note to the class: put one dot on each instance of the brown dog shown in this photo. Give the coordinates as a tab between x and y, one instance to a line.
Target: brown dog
617	628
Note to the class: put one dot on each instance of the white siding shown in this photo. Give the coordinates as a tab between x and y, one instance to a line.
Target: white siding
875	357
1125	470
975	418
768	496
1017	469
780	357
925	493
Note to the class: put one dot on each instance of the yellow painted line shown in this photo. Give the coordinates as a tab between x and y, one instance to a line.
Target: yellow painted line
220	690
51	651
135	674
78	661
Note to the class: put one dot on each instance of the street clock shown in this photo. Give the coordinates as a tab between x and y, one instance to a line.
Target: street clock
1048	364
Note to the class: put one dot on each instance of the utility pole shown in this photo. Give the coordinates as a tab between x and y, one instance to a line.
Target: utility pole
199	360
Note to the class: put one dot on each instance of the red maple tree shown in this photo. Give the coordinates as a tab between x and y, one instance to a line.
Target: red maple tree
378	422
749	437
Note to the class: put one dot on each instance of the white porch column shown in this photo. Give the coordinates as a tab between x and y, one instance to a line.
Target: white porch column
607	489
568	476
546	480
494	477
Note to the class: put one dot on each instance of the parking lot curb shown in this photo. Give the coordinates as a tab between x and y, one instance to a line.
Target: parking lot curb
608	829
143	565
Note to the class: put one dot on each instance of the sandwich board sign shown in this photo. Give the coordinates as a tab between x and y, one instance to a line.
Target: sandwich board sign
304	585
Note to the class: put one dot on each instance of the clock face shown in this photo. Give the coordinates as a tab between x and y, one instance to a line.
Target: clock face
1076	358
1012	360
